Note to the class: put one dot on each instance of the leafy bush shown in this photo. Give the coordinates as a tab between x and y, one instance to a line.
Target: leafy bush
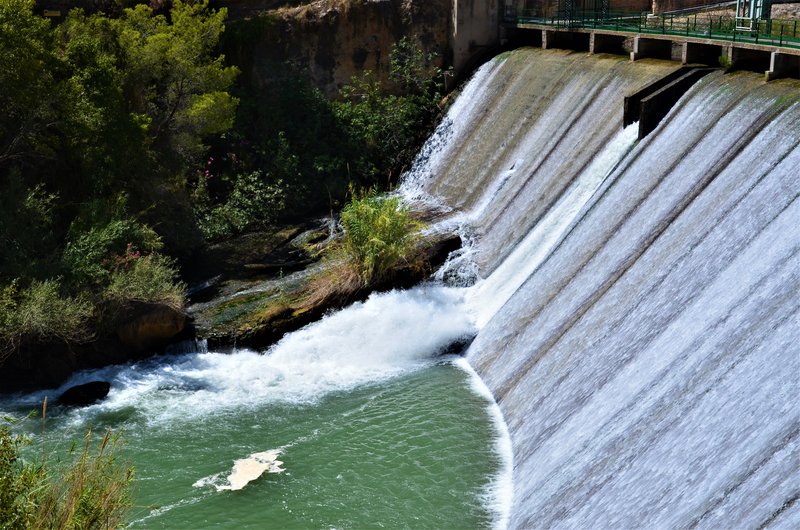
90	492
41	313
387	129
89	255
255	202
379	235
152	278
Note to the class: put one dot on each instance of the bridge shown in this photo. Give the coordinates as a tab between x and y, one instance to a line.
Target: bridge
754	42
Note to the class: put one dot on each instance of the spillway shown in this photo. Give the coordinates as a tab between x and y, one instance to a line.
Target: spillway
646	357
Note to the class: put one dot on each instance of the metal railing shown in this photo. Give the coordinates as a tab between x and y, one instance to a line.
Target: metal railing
773	32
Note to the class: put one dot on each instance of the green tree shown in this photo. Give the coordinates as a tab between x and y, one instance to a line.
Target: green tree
174	80
28	84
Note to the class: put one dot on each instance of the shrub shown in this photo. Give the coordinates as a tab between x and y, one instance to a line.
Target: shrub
379	235
88	255
152	278
90	491
41	313
255	202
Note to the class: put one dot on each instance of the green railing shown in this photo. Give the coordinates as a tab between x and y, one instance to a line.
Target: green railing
775	32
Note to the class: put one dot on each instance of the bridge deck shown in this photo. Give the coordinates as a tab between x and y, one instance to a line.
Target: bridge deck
766	35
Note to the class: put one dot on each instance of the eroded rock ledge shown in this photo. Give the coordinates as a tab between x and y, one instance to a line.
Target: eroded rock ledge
141	330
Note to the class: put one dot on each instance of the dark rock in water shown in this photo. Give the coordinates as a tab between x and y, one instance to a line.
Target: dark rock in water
458	346
85	394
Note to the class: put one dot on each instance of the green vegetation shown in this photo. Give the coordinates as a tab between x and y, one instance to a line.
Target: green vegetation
40	313
103	118
379	235
89	491
127	143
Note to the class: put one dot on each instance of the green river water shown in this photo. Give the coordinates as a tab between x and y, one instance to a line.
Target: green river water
373	429
412	452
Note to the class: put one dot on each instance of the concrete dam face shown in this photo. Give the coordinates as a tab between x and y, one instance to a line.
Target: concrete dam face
641	333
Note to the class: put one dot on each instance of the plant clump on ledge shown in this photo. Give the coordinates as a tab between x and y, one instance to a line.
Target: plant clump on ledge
378	236
379	246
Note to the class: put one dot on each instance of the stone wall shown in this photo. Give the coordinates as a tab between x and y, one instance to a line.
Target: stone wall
337	39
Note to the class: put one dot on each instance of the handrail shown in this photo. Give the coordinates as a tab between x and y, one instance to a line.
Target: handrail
774	32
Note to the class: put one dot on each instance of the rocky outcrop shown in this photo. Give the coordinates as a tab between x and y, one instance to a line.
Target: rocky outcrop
261	312
152	325
337	39
141	330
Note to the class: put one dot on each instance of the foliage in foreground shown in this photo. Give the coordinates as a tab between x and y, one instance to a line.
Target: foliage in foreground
92	490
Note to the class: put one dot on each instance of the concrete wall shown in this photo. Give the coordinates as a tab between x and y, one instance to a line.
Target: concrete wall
475	28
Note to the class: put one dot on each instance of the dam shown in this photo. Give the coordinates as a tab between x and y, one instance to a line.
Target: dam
626	303
646	360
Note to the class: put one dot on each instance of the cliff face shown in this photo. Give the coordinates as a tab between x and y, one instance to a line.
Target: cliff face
337	39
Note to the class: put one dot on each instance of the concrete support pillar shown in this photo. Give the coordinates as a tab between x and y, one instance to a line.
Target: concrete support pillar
782	65
726	57
694	53
656	48
548	39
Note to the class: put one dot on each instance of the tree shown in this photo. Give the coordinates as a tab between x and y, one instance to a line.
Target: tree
28	83
174	82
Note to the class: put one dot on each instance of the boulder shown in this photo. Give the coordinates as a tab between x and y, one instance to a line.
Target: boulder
154	327
85	394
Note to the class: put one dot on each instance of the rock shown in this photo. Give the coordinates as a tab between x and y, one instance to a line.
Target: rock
154	326
86	394
458	346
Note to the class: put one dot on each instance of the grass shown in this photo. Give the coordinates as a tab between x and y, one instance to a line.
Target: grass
379	235
91	489
41	313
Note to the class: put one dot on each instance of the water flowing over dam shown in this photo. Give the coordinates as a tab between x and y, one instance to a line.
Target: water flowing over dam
631	314
646	356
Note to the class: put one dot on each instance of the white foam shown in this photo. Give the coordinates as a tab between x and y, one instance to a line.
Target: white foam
246	470
387	335
498	494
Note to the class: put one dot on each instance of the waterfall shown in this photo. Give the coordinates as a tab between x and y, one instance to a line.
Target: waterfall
635	313
639	322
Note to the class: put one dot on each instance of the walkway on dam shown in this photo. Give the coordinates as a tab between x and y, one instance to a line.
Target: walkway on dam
773	32
771	46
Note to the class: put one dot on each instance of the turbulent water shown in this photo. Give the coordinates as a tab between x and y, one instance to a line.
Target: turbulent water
372	427
634	308
648	360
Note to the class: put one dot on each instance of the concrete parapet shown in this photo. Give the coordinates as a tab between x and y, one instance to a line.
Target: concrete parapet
655	48
739	55
782	65
697	53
